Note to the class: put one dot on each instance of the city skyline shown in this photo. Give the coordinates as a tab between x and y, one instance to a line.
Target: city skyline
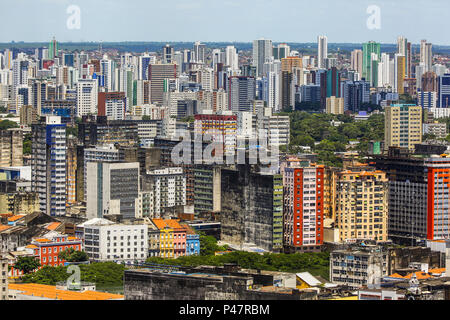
147	21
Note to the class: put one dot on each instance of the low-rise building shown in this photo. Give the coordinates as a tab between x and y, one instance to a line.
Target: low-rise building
48	247
105	241
358	268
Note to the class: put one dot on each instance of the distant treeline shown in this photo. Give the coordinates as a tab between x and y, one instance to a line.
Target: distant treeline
241	46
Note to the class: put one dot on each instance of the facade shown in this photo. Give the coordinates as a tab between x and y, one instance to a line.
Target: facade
361	209
358	268
158	75
241	93
3	278
112	105
335	105
49	165
19	203
418	196
252	208
322	43
126	243
223	127
262	49
87	96
403	126
439	130
168	186
371	52
112	189
11	148
303	206
47	248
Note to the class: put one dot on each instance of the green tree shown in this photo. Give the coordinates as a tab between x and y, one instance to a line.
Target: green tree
27	264
27	143
72	255
7	124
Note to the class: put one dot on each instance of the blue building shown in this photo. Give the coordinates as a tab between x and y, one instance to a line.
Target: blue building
444	91
192	244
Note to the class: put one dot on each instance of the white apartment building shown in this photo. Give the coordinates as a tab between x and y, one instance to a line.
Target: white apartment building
87	97
168	187
106	241
112	189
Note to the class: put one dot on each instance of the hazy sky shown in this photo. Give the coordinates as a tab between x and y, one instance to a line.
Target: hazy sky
225	20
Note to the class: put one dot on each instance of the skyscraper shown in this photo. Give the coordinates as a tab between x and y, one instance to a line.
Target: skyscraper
241	93
53	49
400	62
426	55
158	74
371	52
167	56
357	61
49	165
199	52
262	49
281	51
403	126
322	48
231	58
87	95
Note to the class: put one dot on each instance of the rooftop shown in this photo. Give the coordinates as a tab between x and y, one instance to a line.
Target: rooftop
50	292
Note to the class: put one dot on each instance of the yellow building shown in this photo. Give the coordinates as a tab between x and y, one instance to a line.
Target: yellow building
288	64
335	105
361	200
71	173
401	72
166	248
19	203
403	126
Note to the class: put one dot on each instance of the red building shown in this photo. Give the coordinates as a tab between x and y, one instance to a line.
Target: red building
47	249
303	207
112	104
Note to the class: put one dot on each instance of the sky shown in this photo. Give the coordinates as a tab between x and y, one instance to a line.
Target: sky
342	21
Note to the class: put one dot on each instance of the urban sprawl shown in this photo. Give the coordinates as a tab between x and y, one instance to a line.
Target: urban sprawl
210	172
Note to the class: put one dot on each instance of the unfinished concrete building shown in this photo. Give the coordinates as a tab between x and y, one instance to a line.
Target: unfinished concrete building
11	148
252	209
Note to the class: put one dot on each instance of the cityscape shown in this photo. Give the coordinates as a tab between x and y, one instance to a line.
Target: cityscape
248	170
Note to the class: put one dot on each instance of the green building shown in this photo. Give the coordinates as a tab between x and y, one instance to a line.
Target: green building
370	48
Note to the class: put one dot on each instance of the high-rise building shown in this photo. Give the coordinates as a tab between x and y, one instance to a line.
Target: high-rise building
112	189
252	208
159	74
281	51
168	187
87	97
426	55
322	51
167	55
399	73
403	126
361	210
429	82
222	127
335	105
404	49
53	49
241	93
11	148
444	91
232	58
371	54
262	50
418	193
199	52
49	165
303	206
357	61
112	105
